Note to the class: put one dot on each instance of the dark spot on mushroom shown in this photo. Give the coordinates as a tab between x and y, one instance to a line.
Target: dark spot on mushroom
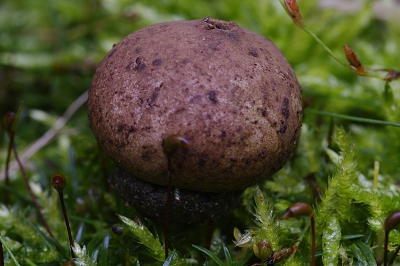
285	101
213	46
263	154
253	52
154	96
112	52
129	66
223	134
285	111
234	159
263	111
120	127
282	128
138	50
180	110
139	64
212	95
195	99
157	62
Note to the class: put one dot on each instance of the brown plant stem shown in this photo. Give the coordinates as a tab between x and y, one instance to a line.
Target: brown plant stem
59	182
170	144
1	255
127	261
168	206
396	252
391	222
386	248
46	226
312	221
7	179
71	242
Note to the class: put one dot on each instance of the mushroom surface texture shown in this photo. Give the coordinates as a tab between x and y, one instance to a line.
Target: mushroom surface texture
229	91
188	206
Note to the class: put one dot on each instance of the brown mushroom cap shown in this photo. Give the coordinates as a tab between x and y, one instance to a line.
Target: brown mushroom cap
228	90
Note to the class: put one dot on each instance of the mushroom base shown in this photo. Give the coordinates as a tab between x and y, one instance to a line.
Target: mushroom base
187	206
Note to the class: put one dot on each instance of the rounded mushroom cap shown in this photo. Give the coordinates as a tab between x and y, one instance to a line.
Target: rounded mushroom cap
229	91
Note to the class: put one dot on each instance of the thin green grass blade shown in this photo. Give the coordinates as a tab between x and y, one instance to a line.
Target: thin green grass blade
170	258
353	118
348	237
9	251
358	254
368	253
50	242
210	254
244	260
104	251
39	232
30	263
79	233
227	254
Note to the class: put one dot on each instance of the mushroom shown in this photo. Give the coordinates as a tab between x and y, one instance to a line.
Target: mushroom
229	91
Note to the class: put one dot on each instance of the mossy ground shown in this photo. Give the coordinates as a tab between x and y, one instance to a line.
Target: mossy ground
48	54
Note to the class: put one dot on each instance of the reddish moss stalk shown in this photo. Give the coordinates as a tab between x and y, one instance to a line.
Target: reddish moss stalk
8	123
1	255
168	207
58	182
26	179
